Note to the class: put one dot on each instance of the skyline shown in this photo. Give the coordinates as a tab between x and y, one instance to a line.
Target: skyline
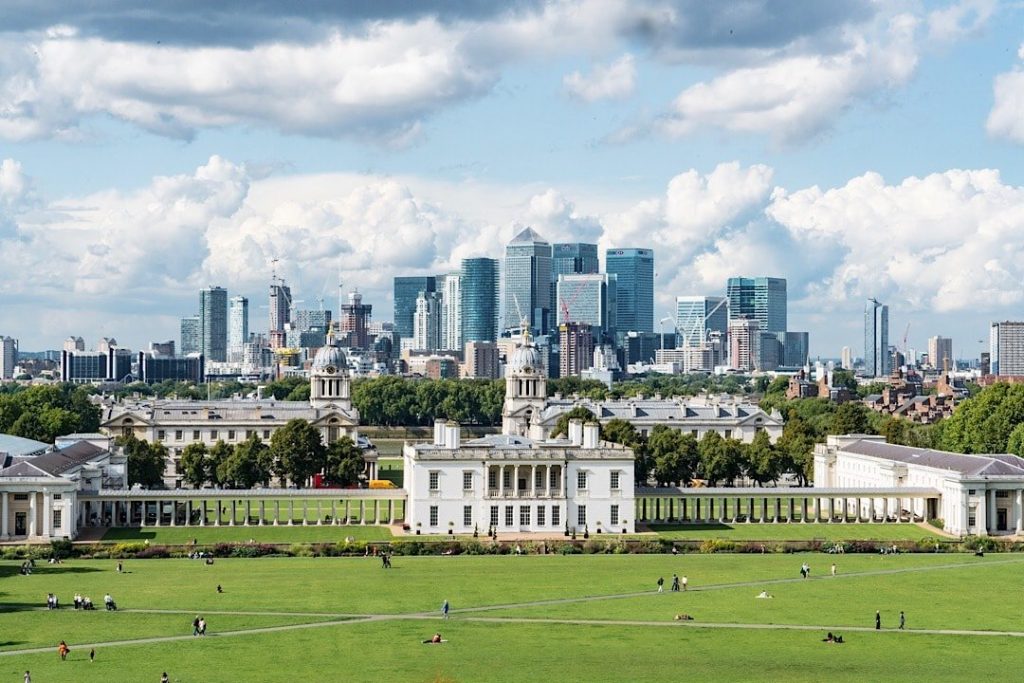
867	150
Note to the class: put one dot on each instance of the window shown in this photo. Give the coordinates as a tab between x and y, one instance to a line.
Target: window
556	515
177	434
581	515
231	435
433	515
538	478
58	496
728	433
971	518
195	435
1002	494
615	515
57	518
492	479
248	433
467	515
540	515
160	435
213	434
693	432
581	480
615	481
266	434
509	511
553	480
467	481
494	515
524	515
435	480
970	492
20	496
506	477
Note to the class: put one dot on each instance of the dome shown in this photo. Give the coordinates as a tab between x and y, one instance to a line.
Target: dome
329	357
525	358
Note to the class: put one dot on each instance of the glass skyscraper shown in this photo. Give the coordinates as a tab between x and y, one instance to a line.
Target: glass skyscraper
574	258
407	289
589	299
238	327
528	282
213	323
479	299
877	362
190	335
697	316
760	298
634	271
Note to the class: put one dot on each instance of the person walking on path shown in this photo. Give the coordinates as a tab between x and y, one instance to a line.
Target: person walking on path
833	569
661	584
63	650
120	568
878	620
675	583
903	620
195	626
444	609
92	655
686	582
202	627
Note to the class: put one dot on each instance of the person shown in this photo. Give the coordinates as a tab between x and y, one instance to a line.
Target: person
108	602
839	639
78	601
49	601
675	583
878	620
220	589
120	568
202	627
164	678
764	594
92	655
675	550
661	584
195	626
903	620
686	582
63	650
519	549
803	572
444	609
436	638
833	569
807	570
683	617
829	638
28	677
87	603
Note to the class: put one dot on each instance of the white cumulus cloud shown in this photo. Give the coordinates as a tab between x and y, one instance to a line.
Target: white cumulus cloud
612	81
1006	120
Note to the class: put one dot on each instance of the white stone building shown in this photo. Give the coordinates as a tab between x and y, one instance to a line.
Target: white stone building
515	483
972	494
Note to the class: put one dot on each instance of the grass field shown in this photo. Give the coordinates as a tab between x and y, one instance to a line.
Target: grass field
796	532
241	534
564	618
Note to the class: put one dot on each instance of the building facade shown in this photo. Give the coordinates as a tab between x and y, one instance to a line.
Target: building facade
190	335
238	327
280	313
8	356
634	273
406	291
213	323
763	299
576	348
481	360
426	333
527	285
451	312
1006	348
590	299
745	344
480	283
698	316
154	368
877	362
574	258
354	323
940	352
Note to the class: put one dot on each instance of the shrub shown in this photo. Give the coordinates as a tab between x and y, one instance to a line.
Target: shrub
937	523
61	549
300	550
569	549
128	549
716	546
153	551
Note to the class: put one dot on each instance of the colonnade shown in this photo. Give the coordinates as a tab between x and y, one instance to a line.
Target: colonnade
542	481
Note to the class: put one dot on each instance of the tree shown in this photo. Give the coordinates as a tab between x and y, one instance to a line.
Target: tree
720	459
193	464
146	461
248	464
215	459
795	448
298	452
577	413
344	463
984	423
673	455
850	418
764	463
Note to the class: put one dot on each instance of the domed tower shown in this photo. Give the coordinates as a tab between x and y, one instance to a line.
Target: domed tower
329	379
526	389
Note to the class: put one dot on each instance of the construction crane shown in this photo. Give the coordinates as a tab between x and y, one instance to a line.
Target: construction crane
572	299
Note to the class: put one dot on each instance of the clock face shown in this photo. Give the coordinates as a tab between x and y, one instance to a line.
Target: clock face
527	369
330	370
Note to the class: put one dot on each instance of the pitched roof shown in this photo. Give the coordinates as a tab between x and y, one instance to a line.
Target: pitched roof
23	469
526	236
1003	464
17	445
58	462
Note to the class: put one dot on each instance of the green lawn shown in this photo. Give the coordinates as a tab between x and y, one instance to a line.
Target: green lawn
935	590
796	532
240	534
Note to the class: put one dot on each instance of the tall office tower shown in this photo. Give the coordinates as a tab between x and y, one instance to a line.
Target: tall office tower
407	290
426	333
450	286
238	327
528	282
1006	348
772	353
795	348
480	286
280	313
590	299
576	348
213	323
940	350
355	320
74	344
760	298
877	362
306	319
574	258
698	316
8	357
745	344
634	272
161	348
846	358
191	341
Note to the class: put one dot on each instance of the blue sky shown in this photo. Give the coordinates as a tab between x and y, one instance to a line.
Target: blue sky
856	148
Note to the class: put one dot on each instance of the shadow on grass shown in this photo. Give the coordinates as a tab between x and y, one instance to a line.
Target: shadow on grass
128	534
691	527
9	570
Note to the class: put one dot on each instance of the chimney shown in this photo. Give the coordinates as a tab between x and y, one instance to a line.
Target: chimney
439	431
590	435
454	436
576	432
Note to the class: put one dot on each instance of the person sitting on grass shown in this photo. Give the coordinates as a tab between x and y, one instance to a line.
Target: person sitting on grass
765	594
436	638
829	638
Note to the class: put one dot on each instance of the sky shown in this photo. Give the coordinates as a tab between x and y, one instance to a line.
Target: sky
857	148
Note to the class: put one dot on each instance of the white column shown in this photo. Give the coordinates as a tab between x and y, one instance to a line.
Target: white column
362	511
990	499
1019	516
305	512
501	481
533	482
515	481
5	529
47	513
981	515
31	513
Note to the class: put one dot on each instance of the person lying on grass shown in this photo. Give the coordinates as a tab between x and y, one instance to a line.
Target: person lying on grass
436	638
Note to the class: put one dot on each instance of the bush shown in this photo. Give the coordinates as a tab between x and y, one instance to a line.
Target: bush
569	549
123	550
716	546
937	523
300	550
61	550
153	551
253	550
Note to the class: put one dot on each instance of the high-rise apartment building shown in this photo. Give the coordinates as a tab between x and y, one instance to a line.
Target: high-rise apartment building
406	291
588	298
745	344
426	333
479	309
877	362
576	348
451	311
8	357
761	298
190	336
698	316
846	358
304	319
940	351
528	282
213	323
1006	348
355	319
238	327
634	273
481	359
280	313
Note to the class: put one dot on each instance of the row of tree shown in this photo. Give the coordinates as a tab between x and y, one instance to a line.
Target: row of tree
44	412
295	453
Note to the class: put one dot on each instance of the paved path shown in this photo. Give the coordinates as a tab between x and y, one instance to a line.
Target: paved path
336	619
